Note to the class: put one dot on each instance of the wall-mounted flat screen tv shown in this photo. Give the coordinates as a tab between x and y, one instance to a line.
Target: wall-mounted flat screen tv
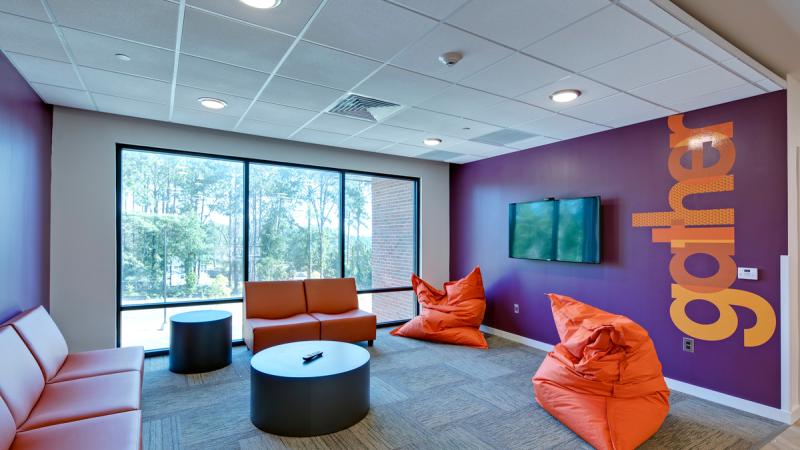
556	230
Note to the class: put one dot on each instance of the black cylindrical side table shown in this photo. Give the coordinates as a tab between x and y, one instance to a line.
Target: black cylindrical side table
200	341
290	397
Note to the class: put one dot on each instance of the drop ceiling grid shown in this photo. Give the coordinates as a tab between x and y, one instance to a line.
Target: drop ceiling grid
518	51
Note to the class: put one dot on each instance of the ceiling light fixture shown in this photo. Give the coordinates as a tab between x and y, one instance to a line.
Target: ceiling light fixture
565	95
122	57
212	103
432	141
262	4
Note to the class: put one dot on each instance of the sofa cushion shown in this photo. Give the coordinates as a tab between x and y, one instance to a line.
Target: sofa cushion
274	299
122	431
85	397
21	379
262	333
351	326
43	338
7	426
331	295
100	362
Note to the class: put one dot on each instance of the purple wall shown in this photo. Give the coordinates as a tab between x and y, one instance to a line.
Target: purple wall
627	167
25	141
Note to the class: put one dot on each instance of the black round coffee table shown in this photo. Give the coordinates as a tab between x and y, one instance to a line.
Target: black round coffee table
290	397
200	341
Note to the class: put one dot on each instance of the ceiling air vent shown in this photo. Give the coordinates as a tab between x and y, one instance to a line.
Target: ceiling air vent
364	108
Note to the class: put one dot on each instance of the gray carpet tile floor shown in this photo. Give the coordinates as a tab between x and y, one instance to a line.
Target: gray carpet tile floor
423	396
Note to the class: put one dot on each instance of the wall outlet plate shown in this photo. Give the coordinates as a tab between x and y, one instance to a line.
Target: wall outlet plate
748	273
516	308
688	344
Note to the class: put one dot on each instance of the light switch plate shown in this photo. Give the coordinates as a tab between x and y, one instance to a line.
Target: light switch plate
748	273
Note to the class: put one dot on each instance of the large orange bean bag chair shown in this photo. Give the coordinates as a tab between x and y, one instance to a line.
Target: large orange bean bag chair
451	316
603	380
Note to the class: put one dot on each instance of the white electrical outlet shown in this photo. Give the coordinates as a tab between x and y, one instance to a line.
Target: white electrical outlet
748	273
516	308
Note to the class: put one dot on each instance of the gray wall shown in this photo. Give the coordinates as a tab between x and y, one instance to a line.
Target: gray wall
83	228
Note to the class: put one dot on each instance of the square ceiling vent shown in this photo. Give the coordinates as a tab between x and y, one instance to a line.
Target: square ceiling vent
364	108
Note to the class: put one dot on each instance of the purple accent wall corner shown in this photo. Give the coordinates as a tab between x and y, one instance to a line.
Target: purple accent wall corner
627	167
26	125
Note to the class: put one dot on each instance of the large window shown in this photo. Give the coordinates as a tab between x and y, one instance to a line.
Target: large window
193	227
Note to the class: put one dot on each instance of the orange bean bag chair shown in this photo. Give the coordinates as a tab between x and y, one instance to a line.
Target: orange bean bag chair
603	380
451	316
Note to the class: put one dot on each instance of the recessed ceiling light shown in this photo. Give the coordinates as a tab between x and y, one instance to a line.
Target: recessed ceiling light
565	95
212	103
432	141
123	57
262	4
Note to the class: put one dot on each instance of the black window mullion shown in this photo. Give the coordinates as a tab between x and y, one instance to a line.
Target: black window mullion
246	228
341	224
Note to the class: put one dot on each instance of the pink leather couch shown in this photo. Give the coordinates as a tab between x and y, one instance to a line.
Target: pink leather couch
51	399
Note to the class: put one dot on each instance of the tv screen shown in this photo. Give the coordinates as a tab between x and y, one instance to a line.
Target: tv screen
556	230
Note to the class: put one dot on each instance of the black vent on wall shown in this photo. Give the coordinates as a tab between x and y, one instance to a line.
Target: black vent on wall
365	108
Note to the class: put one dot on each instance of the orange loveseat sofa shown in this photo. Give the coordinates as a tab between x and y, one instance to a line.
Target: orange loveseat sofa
277	312
50	398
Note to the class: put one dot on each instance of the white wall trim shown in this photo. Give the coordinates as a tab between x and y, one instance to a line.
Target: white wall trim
741	404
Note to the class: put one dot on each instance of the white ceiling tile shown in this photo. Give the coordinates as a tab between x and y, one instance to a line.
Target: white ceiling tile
218	77
423	56
126	86
599	38
376	30
93	50
221	39
31	37
473	148
618	110
326	66
745	71
360	143
769	85
405	150
279	114
61	96
590	91
507	113
400	86
438	9
560	127
439	155
517	23
266	129
515	75
464	159
299	94
395	134
656	15
47	71
464	128
27	8
679	89
290	18
704	46
319	137
204	119
663	60
436	123
536	141
338	124
134	108
152	22
456	100
187	97
715	98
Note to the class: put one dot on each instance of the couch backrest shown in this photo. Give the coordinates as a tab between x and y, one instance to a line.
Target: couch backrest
21	380
43	338
331	295
273	299
8	429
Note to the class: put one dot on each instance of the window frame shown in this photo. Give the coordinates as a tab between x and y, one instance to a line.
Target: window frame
246	162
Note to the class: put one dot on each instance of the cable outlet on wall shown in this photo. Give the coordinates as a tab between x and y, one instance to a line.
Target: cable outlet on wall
516	308
688	344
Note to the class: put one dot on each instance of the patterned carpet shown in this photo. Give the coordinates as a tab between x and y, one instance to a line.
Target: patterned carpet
424	396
